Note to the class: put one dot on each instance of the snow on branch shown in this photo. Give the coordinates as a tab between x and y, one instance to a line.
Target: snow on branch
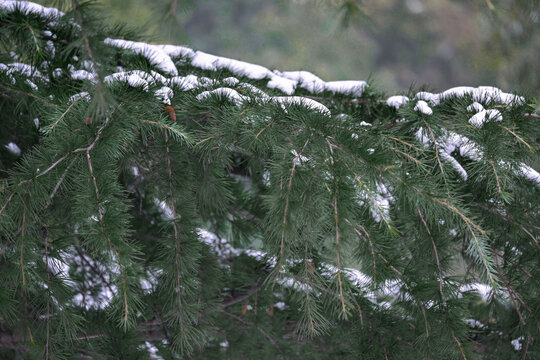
27	8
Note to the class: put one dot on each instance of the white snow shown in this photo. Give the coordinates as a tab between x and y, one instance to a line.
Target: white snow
475	107
474	323
230	81
23	69
485	291
223	92
455	164
164	94
177	51
479	119
255	91
346	87
154	53
156	77
286	85
204	61
298	159
483	94
304	79
379	201
152	351
166	211
423	107
185	83
13	148
299	100
467	148
530	173
78	96
397	101
516	343
133	78
82	75
242	68
280	305
422	136
31	84
50	48
27	8
294	283
427	96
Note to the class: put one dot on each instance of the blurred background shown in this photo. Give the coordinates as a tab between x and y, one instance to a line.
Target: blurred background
394	43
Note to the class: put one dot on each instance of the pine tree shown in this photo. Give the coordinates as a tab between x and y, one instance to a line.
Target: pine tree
161	202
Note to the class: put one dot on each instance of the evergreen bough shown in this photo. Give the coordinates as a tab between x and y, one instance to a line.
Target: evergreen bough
157	202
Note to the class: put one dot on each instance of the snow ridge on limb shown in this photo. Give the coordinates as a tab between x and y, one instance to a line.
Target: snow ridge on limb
28	7
161	56
155	54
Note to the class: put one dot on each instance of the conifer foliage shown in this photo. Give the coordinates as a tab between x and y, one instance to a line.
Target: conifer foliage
160	202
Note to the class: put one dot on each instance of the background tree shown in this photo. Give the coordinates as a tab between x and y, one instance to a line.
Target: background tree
163	202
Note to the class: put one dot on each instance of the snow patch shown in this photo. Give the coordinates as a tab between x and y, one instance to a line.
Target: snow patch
479	119
177	51
483	94
79	96
154	53
286	85
530	173
516	343
223	93
423	107
475	107
230	81
346	87
133	78
242	68
164	94
299	100
304	79
13	148
187	83
397	101
27	8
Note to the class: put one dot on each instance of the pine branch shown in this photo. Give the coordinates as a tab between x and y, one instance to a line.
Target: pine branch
281	258
338	234
214	142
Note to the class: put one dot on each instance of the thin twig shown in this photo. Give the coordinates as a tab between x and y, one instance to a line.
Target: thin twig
460	346
48	320
338	233
516	135
436	257
496	176
52	126
177	243
21	256
286	209
165	126
436	150
402	142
